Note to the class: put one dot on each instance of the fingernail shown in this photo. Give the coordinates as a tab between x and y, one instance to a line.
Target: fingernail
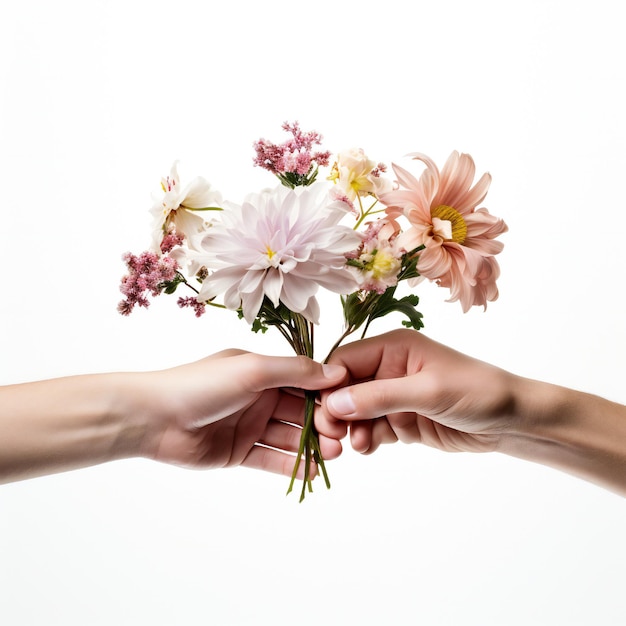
333	371
341	402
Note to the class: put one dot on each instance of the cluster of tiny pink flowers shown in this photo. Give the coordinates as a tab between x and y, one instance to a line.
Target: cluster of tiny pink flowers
190	302
170	241
146	275
295	155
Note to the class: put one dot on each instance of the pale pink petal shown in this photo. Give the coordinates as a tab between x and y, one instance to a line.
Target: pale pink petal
482	223
475	195
434	261
468	259
403	198
412	238
272	285
312	311
339	282
297	292
429	181
419	217
431	166
404	177
455	180
252	280
219	281
486	247
250	304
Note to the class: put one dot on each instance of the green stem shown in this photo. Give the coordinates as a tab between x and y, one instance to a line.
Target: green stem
366	213
339	341
308	439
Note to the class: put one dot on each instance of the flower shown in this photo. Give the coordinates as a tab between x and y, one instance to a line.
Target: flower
294	161
281	244
378	260
268	256
146	274
459	239
177	210
357	175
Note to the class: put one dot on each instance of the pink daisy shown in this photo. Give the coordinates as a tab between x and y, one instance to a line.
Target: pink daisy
458	239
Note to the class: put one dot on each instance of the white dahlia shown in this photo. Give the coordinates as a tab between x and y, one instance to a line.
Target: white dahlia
282	244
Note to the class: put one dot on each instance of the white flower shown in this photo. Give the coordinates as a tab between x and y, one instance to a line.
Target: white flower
281	244
357	175
179	206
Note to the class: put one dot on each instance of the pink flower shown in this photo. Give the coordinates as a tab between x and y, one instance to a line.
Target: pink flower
280	244
147	274
459	239
294	161
190	302
378	260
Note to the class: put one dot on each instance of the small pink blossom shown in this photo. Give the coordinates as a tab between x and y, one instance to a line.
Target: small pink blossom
378	260
170	241
192	303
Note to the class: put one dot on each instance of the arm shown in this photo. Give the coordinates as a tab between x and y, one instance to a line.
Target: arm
431	394
222	411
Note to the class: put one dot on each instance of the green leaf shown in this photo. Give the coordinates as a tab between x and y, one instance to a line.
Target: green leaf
170	286
258	325
405	305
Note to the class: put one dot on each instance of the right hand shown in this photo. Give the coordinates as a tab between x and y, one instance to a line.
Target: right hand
403	386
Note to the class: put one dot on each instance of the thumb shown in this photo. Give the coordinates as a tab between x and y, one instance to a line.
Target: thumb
371	399
298	371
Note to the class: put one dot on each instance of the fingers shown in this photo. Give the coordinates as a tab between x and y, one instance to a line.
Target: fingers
274	461
276	451
390	352
372	399
367	436
266	372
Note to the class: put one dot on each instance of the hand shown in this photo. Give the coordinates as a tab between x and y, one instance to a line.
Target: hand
404	386
232	408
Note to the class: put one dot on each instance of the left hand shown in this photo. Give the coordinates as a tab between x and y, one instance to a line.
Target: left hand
231	408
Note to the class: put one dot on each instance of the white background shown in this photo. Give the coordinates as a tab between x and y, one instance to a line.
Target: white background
98	98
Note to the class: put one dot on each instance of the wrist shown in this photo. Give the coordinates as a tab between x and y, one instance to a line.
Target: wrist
132	411
100	418
573	431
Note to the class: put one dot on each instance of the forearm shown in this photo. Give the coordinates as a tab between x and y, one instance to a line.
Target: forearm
576	432
61	424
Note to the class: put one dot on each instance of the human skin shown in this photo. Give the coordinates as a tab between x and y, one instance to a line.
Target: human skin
222	411
403	386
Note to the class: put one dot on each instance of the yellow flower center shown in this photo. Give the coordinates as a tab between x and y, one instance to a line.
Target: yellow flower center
384	265
270	253
334	173
458	227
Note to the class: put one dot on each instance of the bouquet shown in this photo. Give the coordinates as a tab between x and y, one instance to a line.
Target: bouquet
354	231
